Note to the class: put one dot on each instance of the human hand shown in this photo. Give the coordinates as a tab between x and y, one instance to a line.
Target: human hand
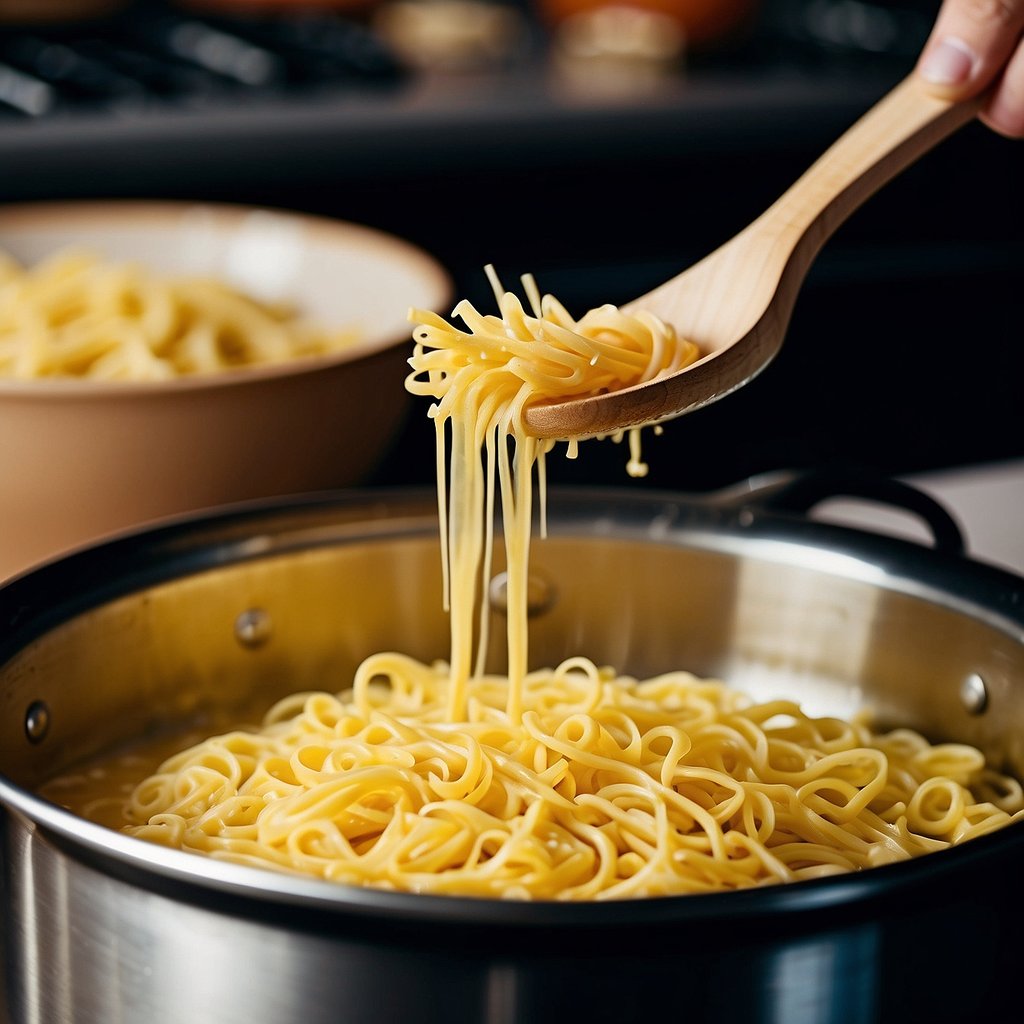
974	44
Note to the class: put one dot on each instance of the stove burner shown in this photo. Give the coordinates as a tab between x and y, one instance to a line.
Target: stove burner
154	56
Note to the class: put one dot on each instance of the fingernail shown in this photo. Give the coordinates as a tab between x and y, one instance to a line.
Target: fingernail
950	62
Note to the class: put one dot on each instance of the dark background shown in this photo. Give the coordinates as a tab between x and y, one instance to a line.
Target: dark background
905	350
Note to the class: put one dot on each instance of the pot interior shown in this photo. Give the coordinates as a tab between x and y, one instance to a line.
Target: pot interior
209	624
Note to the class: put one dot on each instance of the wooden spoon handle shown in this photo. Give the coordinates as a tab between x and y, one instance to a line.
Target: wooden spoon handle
901	127
736	303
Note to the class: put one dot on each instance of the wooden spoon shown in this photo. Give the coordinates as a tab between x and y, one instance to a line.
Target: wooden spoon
736	303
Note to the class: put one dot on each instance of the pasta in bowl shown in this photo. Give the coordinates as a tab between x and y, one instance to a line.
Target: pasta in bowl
159	358
78	316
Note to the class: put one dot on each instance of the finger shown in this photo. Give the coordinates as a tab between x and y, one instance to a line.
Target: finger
970	43
1005	111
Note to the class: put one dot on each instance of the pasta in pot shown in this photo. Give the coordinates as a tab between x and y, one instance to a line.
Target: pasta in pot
76	315
605	788
571	783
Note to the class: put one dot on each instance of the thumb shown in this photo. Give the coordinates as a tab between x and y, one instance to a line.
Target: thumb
970	43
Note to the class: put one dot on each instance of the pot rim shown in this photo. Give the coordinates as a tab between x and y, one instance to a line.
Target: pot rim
202	877
194	542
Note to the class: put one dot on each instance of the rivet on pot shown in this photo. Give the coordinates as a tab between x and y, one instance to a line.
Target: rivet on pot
540	594
37	721
974	694
253	627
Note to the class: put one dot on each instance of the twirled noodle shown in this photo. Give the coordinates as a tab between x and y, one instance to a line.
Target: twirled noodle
483	379
76	315
570	783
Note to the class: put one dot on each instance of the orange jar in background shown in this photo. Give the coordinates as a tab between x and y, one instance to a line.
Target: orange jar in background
703	22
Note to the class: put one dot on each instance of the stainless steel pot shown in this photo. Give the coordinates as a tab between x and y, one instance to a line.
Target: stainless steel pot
169	625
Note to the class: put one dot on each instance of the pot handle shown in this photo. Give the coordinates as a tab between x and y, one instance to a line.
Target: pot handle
801	491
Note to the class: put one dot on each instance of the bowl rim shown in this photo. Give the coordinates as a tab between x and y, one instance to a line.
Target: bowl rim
136	212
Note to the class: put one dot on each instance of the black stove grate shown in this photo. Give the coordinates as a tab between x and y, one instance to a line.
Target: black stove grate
154	56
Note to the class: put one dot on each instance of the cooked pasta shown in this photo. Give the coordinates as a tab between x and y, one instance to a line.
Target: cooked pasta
483	379
77	315
571	783
606	788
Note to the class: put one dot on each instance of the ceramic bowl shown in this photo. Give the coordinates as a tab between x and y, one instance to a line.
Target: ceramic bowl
82	459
